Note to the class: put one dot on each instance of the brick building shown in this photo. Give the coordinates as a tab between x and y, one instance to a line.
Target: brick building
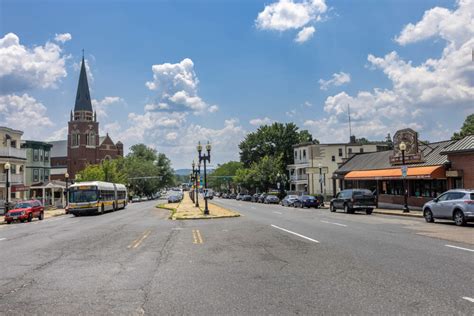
83	146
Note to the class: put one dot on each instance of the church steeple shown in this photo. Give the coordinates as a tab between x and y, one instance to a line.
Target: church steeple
83	97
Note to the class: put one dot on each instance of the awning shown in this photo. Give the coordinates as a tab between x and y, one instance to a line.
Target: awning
432	172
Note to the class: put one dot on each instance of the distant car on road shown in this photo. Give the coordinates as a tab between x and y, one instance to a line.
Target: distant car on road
353	199
457	205
306	201
289	200
272	199
25	211
174	198
136	199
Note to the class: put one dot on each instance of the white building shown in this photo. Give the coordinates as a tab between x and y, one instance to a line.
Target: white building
314	164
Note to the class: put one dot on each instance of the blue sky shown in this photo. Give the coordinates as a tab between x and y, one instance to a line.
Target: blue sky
242	66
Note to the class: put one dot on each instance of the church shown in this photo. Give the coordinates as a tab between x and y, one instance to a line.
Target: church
83	146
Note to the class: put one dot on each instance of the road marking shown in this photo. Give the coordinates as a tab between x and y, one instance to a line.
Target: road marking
2	239
470	299
277	212
467	249
296	234
137	242
197	238
334	223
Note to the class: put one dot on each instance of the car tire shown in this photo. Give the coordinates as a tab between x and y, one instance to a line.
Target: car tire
332	208
347	209
428	215
113	207
30	218
41	216
9	222
369	211
459	218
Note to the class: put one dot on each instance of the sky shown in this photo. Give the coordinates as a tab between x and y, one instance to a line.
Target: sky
172	73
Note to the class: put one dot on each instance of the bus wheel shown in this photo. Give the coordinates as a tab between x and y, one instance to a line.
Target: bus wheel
113	207
102	209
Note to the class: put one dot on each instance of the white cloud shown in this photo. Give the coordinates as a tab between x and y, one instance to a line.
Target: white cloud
305	34
59	134
421	96
23	68
100	106
19	112
261	121
176	85
338	79
63	38
285	15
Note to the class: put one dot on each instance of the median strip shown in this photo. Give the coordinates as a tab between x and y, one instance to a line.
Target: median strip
296	234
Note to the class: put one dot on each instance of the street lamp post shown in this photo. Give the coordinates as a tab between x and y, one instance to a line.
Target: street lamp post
196	172
205	158
191	178
66	176
403	147
7	186
320	178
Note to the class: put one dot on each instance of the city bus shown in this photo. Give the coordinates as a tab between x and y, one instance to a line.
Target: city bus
96	197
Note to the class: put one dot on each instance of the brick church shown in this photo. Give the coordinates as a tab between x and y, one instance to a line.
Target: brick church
83	146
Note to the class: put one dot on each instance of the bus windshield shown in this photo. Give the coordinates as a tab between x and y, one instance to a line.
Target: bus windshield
78	196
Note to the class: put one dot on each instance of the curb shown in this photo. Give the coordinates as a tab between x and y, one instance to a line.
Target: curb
402	215
197	218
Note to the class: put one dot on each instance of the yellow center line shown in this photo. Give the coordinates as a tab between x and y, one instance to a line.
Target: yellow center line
138	241
195	241
197	238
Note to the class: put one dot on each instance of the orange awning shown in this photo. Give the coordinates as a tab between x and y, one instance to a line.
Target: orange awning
432	172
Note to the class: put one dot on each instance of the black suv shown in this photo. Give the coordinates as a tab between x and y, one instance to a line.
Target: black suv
352	200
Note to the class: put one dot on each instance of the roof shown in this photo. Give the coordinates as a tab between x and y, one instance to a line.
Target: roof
35	144
465	144
11	130
83	97
376	143
381	160
59	148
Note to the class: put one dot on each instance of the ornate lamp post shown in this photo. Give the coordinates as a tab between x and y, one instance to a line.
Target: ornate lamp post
196	173
320	177
7	186
205	158
403	147
66	176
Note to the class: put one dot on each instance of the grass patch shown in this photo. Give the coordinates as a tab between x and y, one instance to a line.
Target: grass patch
169	208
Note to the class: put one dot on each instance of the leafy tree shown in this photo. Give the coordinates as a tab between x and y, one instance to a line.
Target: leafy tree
262	175
274	140
466	129
92	173
222	178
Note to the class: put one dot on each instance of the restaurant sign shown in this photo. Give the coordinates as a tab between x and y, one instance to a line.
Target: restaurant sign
412	152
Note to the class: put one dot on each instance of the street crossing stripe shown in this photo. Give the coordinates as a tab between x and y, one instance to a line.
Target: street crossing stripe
467	249
296	234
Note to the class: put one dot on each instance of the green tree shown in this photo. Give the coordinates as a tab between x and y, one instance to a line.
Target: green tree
222	178
466	129
92	173
262	175
274	140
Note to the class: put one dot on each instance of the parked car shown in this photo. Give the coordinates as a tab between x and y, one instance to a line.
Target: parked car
289	200
272	199
247	198
353	199
208	193
224	196
255	197
174	198
239	196
306	201
136	199
320	199
261	198
25	211
457	205
232	196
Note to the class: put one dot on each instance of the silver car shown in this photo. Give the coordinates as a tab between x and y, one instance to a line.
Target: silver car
457	205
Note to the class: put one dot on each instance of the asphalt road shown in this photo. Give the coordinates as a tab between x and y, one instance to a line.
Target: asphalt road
272	260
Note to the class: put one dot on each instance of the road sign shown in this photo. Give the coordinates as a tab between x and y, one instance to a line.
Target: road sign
404	171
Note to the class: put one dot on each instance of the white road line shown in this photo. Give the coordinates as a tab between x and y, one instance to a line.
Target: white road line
296	234
467	249
334	223
277	212
2	239
470	299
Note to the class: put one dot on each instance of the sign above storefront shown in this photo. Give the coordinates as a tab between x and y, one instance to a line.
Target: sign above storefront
412	152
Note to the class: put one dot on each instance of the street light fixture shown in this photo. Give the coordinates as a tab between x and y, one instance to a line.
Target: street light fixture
403	147
66	176
7	186
205	158
196	173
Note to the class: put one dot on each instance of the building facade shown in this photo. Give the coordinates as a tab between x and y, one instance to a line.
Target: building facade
83	146
12	153
38	162
314	164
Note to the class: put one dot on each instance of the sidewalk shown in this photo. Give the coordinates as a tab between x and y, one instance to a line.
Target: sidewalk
186	210
412	213
47	214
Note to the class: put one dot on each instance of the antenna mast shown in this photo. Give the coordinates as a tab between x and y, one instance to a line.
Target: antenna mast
349	114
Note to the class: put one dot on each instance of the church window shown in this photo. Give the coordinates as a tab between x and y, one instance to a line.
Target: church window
90	137
75	139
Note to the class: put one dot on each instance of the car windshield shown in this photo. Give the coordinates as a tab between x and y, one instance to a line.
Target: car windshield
308	197
23	205
79	196
362	192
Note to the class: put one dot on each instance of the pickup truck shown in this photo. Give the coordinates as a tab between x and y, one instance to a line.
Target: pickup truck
354	199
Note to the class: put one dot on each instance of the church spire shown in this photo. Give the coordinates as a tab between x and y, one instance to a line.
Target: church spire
83	97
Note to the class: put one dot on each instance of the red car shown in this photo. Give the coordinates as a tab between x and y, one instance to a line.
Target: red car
25	211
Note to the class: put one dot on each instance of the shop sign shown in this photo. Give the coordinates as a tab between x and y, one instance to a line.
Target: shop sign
404	171
412	152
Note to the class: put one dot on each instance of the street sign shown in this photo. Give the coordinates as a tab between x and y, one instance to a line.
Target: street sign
404	171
